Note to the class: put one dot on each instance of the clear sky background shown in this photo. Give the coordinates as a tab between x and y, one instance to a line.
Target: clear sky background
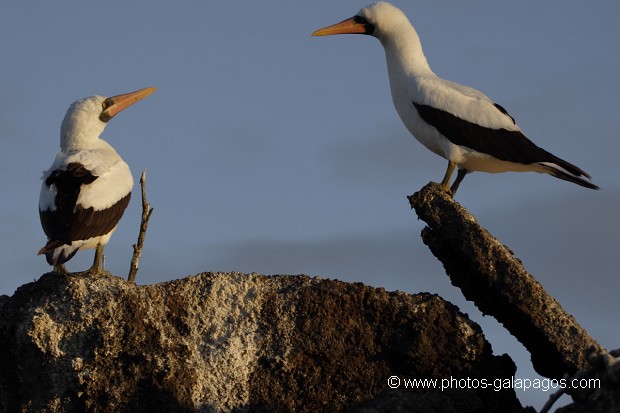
271	151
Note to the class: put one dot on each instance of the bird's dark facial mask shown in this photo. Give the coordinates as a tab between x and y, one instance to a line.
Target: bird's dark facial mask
105	115
369	29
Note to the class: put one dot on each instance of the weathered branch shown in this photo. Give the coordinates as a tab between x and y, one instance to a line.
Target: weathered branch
146	215
489	275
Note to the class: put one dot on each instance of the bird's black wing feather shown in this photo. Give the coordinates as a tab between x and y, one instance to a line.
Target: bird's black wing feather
70	221
511	146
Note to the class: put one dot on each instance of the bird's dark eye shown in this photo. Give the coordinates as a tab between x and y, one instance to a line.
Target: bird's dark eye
105	116
368	27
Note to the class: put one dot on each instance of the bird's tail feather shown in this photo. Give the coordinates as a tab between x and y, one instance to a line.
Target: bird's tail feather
57	252
568	172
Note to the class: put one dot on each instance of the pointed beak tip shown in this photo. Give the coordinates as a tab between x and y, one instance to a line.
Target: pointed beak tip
149	91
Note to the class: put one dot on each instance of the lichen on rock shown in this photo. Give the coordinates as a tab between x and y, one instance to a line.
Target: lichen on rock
222	342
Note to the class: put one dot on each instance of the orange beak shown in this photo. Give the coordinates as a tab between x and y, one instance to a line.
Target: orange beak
348	26
115	104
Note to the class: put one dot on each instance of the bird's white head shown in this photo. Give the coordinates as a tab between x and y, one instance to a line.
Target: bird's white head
386	19
86	118
398	37
381	20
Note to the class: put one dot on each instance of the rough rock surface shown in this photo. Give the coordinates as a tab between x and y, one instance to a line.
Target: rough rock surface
489	275
220	342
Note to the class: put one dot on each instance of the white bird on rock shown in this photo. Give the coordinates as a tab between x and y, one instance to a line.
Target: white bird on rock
87	188
454	121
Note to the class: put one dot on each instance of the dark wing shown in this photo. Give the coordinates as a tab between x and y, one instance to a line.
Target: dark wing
511	146
505	112
70	222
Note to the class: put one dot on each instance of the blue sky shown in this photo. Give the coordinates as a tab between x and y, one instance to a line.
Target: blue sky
271	151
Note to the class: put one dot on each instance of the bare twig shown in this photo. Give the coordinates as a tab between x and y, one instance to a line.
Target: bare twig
552	399
599	367
146	215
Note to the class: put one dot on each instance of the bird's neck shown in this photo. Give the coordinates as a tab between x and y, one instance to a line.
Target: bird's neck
78	136
79	142
404	55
